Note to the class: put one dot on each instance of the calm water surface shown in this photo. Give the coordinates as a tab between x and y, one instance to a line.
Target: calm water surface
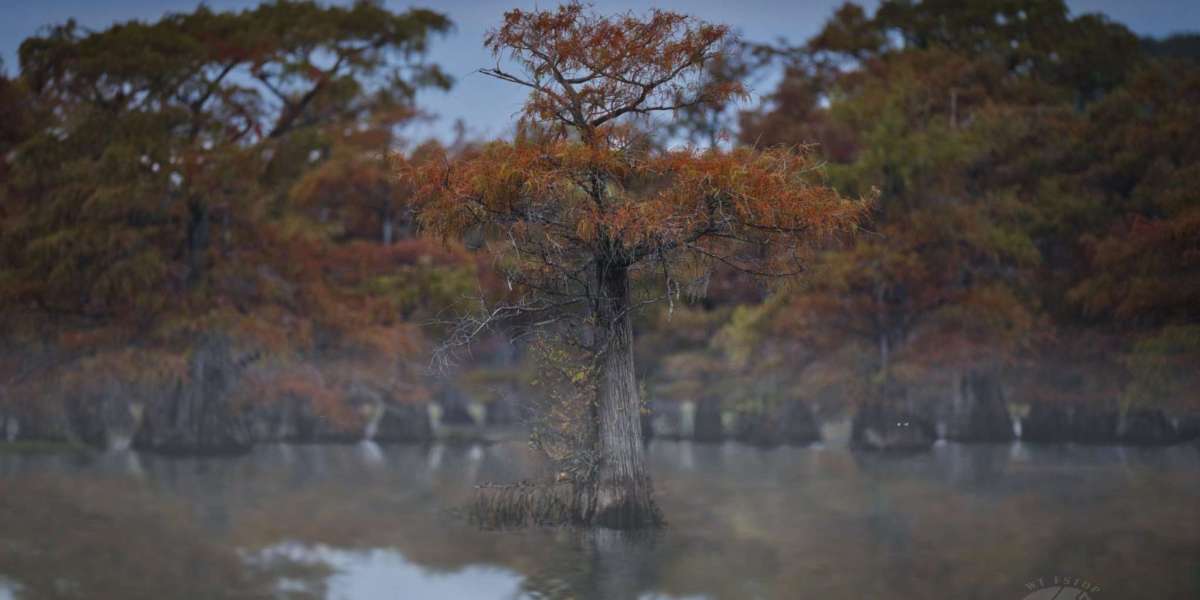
372	522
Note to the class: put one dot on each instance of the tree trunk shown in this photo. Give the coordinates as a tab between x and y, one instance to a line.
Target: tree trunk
621	494
884	356
197	240
386	235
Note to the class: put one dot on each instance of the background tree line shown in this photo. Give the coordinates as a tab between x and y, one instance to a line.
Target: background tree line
1035	238
1036	233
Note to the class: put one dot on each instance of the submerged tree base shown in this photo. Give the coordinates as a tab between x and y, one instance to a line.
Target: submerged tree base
558	503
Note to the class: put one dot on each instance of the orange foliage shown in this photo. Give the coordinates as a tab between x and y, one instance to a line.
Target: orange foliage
301	384
684	200
585	70
589	186
1142	268
131	366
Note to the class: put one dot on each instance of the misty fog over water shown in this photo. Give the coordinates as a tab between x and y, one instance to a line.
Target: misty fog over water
362	522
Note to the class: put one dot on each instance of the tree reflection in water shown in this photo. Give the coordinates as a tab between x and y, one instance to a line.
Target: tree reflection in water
375	522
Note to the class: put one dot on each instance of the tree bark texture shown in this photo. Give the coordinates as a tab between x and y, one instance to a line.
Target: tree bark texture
622	492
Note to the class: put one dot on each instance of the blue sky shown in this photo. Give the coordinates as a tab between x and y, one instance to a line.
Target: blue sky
486	105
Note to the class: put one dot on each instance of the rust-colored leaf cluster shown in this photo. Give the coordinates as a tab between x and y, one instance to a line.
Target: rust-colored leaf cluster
585	70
